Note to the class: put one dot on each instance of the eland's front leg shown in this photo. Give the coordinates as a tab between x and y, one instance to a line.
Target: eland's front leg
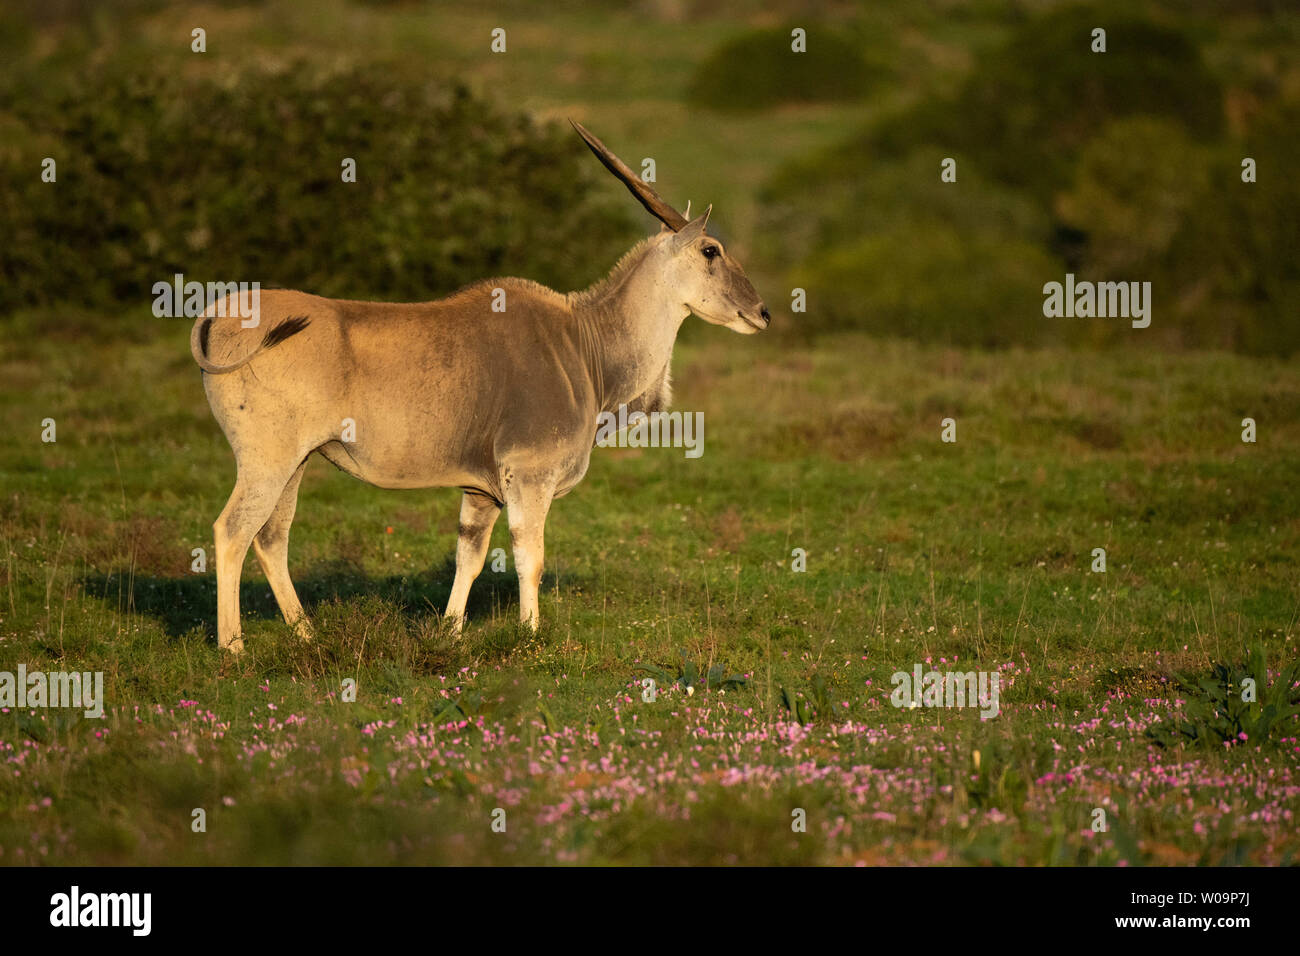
528	505
478	514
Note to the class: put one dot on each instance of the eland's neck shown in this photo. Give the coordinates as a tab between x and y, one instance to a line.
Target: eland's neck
628	323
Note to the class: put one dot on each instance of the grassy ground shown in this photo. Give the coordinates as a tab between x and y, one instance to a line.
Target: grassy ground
977	552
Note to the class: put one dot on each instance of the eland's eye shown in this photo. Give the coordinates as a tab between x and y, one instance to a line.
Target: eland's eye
710	252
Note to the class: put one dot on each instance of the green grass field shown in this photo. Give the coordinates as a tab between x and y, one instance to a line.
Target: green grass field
973	555
976	552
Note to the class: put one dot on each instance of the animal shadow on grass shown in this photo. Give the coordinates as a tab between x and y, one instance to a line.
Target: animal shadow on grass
181	604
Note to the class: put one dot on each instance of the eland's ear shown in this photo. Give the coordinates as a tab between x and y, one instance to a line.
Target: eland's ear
693	229
686	215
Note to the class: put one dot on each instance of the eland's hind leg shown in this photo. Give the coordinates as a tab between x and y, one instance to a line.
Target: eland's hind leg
257	492
478	514
271	545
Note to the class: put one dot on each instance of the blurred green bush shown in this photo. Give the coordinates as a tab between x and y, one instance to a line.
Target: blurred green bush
758	70
1233	267
928	280
241	181
1135	183
1114	166
1027	109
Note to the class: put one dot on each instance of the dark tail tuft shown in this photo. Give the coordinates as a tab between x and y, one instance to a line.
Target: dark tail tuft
290	326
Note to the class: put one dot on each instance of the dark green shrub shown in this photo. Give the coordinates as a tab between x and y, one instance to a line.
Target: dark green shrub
1028	109
242	181
928	281
688	674
758	70
1214	713
1236	257
1135	183
818	204
808	709
1109	165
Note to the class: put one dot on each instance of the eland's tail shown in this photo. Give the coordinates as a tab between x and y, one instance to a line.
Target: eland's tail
274	336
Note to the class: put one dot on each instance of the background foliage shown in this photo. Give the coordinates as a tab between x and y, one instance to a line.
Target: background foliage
825	166
1115	166
242	180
